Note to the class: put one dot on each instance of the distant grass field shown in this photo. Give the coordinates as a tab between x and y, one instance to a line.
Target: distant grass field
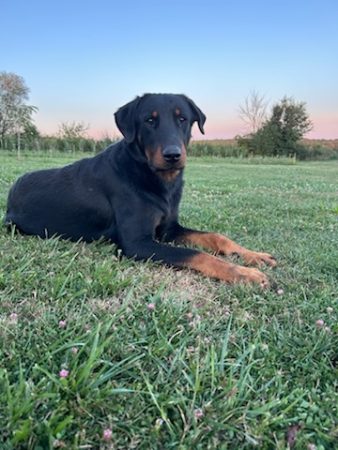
167	359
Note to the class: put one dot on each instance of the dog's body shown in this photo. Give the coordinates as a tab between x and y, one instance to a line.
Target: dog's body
130	194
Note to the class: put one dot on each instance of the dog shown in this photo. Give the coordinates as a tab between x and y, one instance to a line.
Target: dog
129	194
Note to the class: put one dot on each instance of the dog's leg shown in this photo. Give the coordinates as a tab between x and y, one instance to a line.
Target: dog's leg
214	267
209	265
223	245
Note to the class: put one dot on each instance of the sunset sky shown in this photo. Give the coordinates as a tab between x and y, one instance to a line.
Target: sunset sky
84	59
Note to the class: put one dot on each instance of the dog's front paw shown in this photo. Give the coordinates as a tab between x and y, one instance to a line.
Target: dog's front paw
259	259
248	275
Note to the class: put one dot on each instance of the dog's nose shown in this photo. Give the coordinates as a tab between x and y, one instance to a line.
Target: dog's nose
172	153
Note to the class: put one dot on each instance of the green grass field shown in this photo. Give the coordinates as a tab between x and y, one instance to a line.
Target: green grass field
206	365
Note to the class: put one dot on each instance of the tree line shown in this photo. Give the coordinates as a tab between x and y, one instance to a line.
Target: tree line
18	131
278	132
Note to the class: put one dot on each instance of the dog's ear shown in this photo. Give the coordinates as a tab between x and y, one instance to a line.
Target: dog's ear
125	118
198	115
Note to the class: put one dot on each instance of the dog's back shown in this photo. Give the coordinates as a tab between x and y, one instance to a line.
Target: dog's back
55	202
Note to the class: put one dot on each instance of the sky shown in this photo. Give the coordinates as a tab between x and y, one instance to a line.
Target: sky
82	60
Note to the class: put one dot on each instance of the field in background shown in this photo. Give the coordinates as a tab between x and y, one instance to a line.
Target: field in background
312	150
208	366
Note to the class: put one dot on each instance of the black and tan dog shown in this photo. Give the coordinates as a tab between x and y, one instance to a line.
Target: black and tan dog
130	193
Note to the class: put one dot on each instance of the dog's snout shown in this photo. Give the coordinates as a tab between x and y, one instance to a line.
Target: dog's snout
172	153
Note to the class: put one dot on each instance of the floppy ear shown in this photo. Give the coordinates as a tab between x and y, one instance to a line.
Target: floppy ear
125	119
198	115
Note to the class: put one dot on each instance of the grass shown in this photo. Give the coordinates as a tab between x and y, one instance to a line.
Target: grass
209	366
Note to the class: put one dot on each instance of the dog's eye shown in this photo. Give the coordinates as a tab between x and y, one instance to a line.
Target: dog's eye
182	119
150	121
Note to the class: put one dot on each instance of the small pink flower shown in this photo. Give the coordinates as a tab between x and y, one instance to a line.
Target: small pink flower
13	317
151	306
107	434
64	373
74	350
62	324
280	291
320	323
198	413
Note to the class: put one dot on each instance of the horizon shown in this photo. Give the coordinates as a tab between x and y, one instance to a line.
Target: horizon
82	62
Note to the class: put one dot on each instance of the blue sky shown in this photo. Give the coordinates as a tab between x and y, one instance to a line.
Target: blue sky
84	59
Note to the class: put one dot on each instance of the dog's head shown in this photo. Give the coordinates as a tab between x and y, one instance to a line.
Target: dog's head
160	125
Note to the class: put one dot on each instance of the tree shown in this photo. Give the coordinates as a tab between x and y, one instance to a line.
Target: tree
31	136
72	130
292	121
253	111
73	133
15	114
282	132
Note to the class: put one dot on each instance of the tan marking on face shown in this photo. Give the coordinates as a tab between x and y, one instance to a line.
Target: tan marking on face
168	175
155	156
154	114
177	112
183	155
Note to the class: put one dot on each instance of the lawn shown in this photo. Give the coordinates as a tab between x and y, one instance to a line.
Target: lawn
166	359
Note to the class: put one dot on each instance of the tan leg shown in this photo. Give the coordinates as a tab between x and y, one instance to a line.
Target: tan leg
214	267
223	245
